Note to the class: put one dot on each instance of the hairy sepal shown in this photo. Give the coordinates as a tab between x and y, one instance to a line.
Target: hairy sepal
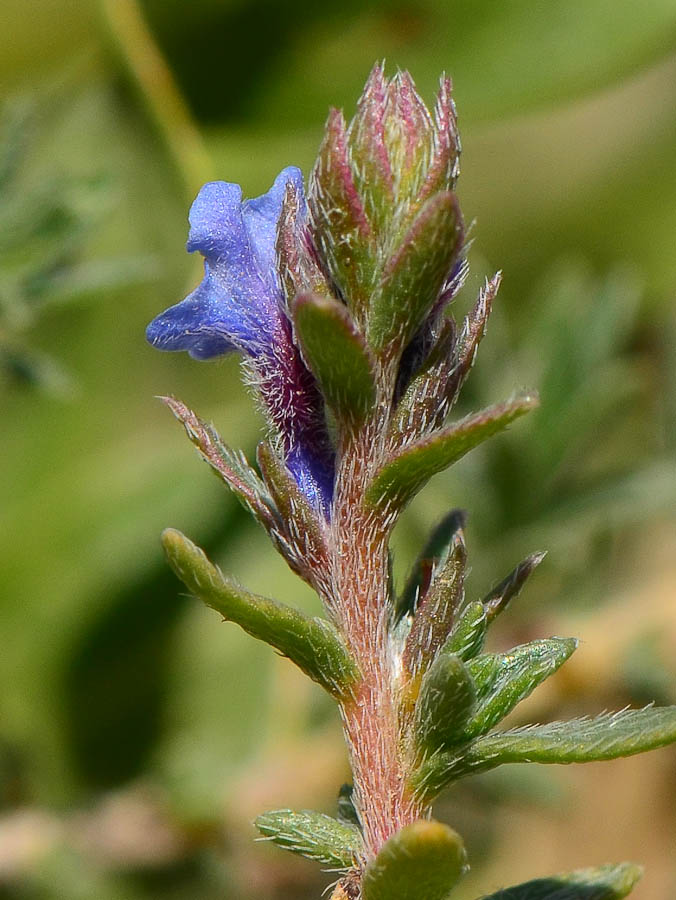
609	882
338	221
230	465
468	633
608	736
436	548
313	644
415	274
408	135
300	532
497	600
422	406
434	616
409	469
445	705
296	263
422	861
473	330
336	352
444	166
504	679
373	172
313	835
433	391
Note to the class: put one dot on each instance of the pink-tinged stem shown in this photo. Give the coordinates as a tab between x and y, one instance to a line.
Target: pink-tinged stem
360	606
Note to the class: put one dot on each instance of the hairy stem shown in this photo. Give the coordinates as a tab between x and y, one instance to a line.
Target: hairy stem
360	583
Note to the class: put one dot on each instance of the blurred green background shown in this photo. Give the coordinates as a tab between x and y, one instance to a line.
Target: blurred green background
138	738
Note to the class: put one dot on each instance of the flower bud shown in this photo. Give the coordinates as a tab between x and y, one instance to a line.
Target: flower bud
381	189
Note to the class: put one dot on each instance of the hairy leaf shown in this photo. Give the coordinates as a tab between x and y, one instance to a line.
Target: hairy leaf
410	469
467	635
609	882
415	274
313	644
446	702
607	736
504	679
314	835
423	861
337	354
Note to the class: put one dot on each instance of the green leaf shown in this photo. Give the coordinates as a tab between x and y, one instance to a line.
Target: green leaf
313	644
230	465
608	736
423	861
446	702
314	835
502	594
410	469
437	547
609	882
300	538
415	274
434	616
336	352
467	635
504	679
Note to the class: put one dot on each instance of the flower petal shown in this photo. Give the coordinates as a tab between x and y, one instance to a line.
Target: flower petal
238	304
206	324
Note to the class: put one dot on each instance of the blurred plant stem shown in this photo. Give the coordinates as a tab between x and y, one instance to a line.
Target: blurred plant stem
143	63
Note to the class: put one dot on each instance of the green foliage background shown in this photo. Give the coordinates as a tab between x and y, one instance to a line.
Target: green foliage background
137	737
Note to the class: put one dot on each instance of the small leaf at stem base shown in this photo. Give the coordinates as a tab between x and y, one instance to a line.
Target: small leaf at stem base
423	861
314	835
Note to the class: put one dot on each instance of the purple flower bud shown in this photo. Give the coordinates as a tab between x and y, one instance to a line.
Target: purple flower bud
240	305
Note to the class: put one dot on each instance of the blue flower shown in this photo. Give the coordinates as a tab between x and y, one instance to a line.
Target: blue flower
239	305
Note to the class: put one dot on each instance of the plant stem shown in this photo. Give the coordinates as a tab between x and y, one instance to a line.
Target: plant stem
360	581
